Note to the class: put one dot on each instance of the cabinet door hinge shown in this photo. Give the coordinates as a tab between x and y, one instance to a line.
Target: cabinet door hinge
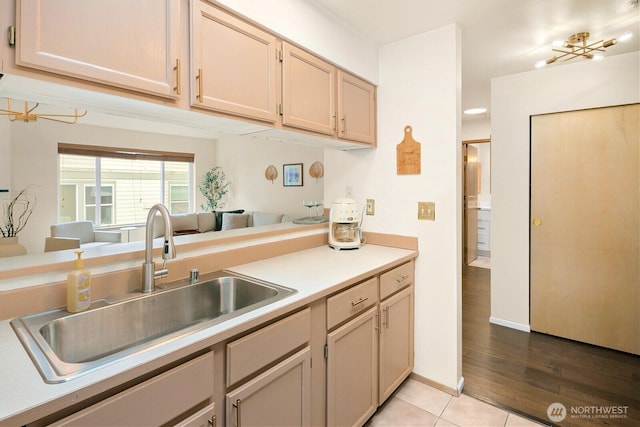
12	36
326	351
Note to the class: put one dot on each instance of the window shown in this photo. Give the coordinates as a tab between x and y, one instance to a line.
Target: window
115	187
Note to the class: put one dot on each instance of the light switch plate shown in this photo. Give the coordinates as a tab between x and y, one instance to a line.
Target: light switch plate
371	207
427	211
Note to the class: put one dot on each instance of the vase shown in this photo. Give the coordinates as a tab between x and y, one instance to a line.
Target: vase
9	246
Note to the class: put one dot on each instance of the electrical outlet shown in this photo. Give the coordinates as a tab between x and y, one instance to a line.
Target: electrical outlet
371	207
427	211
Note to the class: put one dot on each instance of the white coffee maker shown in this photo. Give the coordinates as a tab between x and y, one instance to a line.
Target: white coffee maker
344	225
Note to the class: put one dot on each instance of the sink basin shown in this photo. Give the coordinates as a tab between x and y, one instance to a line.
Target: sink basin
64	345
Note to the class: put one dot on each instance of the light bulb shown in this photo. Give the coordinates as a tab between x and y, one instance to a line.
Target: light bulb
626	36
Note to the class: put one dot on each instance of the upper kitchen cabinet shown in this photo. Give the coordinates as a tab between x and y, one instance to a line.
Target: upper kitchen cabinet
356	109
234	65
131	45
308	91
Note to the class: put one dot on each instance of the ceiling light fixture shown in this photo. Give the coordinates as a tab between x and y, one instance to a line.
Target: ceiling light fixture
577	46
473	111
27	115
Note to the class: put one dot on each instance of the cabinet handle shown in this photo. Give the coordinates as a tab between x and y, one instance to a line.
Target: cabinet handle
333	119
199	79
377	325
402	278
237	406
360	301
212	421
344	124
386	317
177	70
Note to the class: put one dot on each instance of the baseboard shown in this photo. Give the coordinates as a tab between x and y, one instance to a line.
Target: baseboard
437	385
510	324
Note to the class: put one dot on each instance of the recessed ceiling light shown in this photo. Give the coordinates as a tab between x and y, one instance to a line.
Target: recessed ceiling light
475	111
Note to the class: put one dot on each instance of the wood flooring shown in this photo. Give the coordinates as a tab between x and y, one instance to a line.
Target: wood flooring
526	372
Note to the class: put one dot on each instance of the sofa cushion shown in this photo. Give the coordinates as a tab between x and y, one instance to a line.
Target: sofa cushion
265	218
232	221
206	221
184	222
218	214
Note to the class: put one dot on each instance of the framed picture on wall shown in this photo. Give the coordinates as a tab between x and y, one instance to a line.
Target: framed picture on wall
292	175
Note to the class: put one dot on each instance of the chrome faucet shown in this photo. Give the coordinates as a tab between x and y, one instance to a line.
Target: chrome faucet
149	272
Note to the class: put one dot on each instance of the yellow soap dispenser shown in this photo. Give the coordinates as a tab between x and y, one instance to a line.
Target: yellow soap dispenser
78	286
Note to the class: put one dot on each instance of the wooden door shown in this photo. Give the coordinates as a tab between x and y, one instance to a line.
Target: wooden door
585	232
352	371
234	65
133	45
279	397
308	91
471	204
356	109
396	341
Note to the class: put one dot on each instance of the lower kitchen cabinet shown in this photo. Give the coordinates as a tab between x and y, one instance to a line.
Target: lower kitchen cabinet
396	341
180	396
352	371
280	396
370	355
269	375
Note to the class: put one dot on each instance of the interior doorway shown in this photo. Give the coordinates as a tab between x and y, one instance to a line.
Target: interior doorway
476	155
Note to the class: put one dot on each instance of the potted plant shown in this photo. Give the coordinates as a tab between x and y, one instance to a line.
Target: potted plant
213	187
14	216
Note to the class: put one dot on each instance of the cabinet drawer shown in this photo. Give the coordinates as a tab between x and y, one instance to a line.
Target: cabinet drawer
265	346
156	401
396	279
354	300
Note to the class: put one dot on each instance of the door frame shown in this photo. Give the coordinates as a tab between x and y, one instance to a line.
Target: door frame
465	143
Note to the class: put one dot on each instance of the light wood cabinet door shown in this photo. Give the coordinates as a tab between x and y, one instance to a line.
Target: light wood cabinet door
308	91
234	65
352	371
356	109
122	43
396	341
280	396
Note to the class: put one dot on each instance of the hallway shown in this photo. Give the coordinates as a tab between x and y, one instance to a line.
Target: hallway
526	372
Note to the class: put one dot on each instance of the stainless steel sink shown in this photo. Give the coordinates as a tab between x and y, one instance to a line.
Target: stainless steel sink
64	345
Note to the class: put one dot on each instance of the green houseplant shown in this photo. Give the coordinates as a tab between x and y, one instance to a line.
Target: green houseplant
213	187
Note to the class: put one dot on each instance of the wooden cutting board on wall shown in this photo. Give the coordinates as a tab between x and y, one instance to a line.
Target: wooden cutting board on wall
408	154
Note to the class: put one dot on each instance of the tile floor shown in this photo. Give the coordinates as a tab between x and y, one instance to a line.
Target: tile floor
417	404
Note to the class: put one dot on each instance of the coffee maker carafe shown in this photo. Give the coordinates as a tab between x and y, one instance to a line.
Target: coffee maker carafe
344	225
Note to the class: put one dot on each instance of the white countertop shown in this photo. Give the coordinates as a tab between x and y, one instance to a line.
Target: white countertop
314	273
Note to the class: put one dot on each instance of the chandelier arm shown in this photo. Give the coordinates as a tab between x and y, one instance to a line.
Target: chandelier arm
34	107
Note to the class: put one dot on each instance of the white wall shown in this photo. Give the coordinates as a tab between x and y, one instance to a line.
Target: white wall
5	155
425	94
514	99
245	159
34	162
308	25
476	128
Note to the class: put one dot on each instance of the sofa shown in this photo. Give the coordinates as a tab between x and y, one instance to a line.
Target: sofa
202	222
78	234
